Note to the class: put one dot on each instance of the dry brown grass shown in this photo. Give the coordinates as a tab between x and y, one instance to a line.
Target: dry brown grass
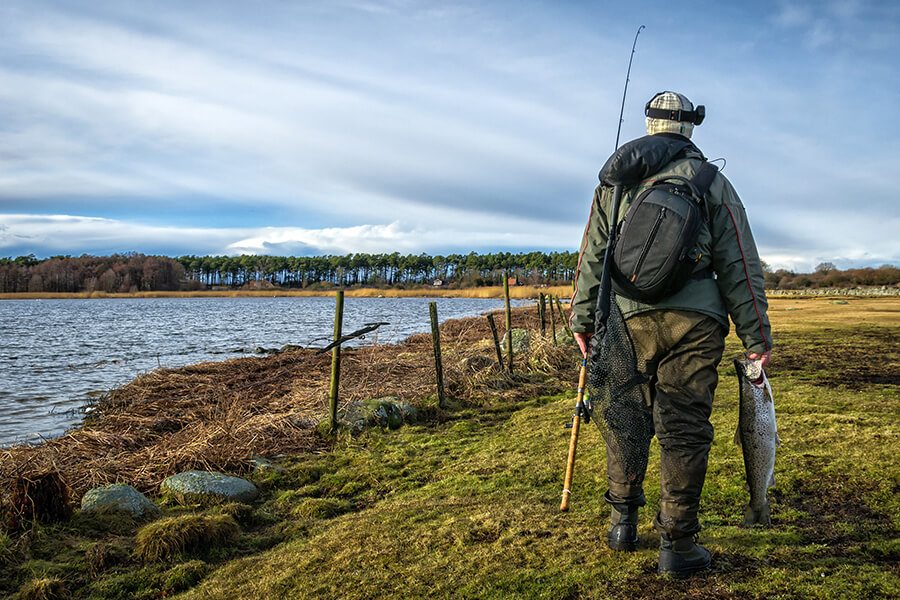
218	415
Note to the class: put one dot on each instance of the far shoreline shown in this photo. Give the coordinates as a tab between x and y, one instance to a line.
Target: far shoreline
516	292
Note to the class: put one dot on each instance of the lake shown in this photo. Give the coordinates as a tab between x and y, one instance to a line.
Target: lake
58	355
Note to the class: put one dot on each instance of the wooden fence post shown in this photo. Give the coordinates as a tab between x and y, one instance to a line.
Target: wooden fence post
552	320
509	340
436	342
493	327
542	312
336	359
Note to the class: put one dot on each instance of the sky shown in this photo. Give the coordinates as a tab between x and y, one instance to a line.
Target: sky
305	128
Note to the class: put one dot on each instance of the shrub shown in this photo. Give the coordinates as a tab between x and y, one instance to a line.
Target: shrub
43	589
184	534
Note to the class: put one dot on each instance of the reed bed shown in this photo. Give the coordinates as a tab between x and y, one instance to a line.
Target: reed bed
218	415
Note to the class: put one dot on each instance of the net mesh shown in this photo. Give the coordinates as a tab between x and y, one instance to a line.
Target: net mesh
618	400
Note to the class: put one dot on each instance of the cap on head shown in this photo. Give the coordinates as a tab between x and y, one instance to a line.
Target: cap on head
671	112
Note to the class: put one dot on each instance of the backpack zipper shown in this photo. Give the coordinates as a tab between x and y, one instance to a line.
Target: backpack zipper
646	248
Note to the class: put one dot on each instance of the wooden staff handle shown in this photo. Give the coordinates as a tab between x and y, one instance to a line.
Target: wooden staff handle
573	440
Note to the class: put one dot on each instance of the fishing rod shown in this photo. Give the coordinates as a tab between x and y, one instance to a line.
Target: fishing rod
627	79
582	408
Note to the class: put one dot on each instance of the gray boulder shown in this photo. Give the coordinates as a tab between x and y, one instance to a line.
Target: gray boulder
203	487
381	412
520	340
119	496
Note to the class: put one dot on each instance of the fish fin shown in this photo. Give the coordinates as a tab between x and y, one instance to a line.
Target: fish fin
777	439
772	480
757	516
737	435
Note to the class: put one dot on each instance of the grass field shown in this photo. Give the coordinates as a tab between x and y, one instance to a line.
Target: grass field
467	506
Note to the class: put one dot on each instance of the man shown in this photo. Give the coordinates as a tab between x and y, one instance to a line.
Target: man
676	343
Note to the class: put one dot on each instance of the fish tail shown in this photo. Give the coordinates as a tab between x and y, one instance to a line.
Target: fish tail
757	516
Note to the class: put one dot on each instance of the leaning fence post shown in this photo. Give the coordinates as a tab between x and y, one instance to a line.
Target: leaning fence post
496	337
336	358
552	320
563	317
436	342
509	343
542	313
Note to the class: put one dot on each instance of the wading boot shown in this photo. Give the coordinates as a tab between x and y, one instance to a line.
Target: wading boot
623	530
682	556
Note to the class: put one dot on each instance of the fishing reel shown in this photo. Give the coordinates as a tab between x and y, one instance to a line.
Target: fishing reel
583	410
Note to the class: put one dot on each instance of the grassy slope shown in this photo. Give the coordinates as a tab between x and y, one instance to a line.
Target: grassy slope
469	508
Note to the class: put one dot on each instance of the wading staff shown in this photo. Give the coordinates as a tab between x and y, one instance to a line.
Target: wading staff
582	410
573	439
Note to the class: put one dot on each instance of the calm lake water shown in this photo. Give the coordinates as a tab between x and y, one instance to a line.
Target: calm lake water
56	355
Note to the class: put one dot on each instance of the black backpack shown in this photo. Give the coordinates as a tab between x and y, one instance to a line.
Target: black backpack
656	250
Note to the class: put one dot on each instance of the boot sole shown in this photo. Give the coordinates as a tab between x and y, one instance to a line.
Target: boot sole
622	546
685	572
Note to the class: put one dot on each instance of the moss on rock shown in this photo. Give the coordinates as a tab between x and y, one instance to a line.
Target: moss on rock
206	488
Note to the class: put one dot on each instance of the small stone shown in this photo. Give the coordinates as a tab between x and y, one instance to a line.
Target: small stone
119	496
202	487
564	337
261	464
477	363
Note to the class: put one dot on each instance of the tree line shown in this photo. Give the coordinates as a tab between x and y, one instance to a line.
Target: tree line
134	272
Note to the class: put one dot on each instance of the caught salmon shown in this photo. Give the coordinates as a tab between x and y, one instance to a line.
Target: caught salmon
758	437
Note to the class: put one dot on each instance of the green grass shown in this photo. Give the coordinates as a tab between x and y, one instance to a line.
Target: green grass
469	507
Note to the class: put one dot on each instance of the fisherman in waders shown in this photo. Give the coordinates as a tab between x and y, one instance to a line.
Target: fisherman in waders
675	341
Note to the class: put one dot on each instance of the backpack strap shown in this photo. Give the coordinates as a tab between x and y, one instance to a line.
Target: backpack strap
704	177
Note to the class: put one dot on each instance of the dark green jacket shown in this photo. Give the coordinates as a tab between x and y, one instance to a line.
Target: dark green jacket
727	246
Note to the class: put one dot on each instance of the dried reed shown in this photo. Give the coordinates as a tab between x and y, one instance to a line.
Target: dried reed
218	415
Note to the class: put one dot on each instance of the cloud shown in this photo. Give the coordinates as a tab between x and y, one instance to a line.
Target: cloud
416	125
57	234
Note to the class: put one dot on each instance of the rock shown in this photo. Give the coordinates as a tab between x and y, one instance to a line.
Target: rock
382	412
520	340
121	497
563	337
260	464
202	487
477	363
839	302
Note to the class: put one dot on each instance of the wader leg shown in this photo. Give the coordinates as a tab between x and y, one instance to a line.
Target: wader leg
686	384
